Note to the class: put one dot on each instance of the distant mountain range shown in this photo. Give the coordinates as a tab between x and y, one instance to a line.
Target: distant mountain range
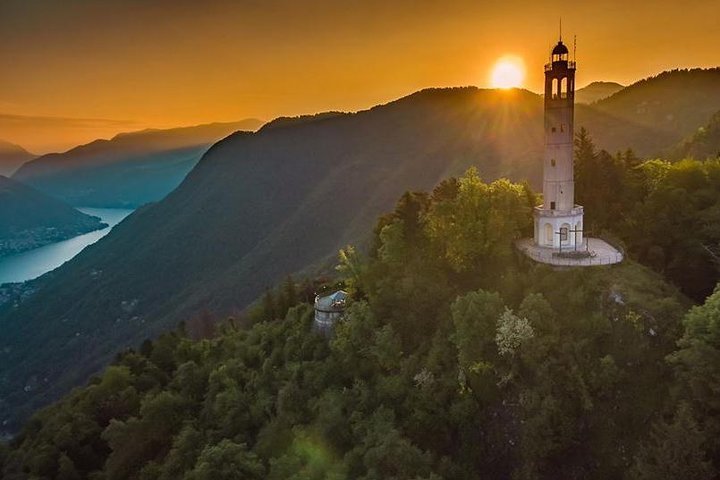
261	205
129	170
596	91
30	219
12	157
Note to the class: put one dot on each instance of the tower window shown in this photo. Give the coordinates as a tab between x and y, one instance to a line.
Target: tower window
552	205
552	162
562	127
553	129
563	234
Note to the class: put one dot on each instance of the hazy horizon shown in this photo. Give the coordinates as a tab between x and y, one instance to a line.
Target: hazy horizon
147	65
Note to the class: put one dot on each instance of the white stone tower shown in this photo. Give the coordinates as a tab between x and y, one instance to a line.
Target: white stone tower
558	221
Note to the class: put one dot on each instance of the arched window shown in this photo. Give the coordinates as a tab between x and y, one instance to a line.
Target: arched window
554	90
548	234
563	87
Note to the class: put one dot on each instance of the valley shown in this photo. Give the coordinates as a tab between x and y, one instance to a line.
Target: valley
31	264
284	199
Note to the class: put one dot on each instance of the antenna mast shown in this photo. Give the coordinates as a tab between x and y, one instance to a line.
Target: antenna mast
574	48
561	29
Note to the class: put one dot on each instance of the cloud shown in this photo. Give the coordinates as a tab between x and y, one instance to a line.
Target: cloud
63	122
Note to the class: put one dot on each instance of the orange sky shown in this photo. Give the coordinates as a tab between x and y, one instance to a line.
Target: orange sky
140	63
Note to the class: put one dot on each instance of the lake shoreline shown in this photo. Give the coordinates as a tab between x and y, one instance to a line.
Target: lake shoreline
30	264
40	237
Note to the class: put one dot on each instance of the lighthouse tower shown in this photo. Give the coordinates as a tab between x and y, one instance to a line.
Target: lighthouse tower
558	221
559	238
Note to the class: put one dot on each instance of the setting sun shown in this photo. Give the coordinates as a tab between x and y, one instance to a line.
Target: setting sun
508	72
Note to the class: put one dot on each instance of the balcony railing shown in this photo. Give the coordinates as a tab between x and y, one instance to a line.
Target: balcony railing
546	212
570	65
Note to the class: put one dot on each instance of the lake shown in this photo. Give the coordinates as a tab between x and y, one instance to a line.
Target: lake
33	263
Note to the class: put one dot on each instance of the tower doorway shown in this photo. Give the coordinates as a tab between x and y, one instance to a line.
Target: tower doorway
548	234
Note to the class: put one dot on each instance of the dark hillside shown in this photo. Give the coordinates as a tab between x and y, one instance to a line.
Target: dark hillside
704	143
255	208
30	219
654	114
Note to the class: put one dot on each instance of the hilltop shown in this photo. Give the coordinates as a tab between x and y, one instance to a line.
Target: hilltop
12	157
30	219
596	91
458	358
284	199
128	170
651	116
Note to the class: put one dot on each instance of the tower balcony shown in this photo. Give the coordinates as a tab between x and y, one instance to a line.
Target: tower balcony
570	65
540	210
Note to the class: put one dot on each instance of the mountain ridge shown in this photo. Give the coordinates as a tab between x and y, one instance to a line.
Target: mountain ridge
596	91
12	157
261	205
127	170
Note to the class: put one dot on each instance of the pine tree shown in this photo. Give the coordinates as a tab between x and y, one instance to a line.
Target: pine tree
269	306
290	293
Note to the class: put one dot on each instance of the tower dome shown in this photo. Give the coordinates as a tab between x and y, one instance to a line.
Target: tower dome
560	49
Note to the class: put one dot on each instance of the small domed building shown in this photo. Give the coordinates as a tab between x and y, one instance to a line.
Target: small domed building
328	310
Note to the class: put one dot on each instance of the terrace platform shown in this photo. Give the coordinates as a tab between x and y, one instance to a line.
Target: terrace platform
599	253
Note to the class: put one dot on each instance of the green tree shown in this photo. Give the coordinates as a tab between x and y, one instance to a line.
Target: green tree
66	469
477	226
474	317
674	450
226	461
512	332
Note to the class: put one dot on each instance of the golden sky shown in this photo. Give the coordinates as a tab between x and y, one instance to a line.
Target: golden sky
160	63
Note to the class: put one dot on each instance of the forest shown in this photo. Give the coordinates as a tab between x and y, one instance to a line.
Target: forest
457	358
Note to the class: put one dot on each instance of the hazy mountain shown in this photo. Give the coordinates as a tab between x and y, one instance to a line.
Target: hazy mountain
261	205
704	143
56	134
11	157
654	114
30	219
130	169
596	91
